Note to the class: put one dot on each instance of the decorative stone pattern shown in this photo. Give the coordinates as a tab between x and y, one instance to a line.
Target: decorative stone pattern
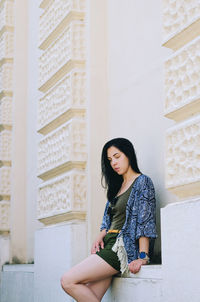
6	13
79	192
67	143
5	145
63	194
61	111
4	215
5	181
178	14
182	81
70	45
6	78
67	94
183	153
55	13
6	111
6	45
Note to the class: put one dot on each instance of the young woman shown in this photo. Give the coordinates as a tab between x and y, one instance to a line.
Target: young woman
128	226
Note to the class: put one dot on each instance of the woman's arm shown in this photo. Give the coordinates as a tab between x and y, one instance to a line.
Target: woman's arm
135	265
98	243
144	244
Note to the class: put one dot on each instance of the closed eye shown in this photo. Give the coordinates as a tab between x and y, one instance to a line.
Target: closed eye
116	155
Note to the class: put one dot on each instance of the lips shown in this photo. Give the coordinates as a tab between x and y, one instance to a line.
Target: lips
117	169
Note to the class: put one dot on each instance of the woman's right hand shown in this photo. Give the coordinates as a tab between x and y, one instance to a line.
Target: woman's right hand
98	243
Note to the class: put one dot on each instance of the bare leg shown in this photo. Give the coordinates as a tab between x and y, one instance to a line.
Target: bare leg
92	269
99	288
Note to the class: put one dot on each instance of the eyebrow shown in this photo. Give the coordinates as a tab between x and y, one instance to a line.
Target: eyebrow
113	154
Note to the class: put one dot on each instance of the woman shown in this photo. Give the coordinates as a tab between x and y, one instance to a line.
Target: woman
128	226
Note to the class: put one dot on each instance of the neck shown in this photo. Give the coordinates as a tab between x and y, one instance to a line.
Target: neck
130	175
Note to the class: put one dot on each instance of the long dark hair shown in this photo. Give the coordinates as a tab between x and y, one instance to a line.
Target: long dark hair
113	181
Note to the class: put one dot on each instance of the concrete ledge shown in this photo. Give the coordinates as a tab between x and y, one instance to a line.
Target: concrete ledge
149	271
143	286
17	283
28	268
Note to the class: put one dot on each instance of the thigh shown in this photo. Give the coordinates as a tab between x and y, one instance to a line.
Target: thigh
100	287
92	269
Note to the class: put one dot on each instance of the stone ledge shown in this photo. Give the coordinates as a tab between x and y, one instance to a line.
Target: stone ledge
64	167
44	4
63	217
60	73
183	36
143	286
186	110
149	272
61	119
29	268
71	16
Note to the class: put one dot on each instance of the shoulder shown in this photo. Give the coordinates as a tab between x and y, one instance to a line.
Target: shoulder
144	179
144	182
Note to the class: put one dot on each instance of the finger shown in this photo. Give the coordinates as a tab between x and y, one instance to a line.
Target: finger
97	248
102	244
134	269
93	251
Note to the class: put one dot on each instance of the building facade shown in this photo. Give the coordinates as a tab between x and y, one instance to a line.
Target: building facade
74	74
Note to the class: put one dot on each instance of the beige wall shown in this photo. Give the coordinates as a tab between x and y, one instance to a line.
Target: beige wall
98	114
100	71
19	152
132	105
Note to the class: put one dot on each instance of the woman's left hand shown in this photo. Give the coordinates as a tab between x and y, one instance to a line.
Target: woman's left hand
135	265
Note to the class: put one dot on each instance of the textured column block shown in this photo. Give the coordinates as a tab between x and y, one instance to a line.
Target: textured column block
57	248
180	226
69	93
183	158
70	45
62	195
55	12
65	144
182	82
6	111
5	145
6	77
6	13
6	45
181	19
5	181
4	216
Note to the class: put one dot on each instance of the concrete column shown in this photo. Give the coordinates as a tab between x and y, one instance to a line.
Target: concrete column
18	174
98	131
180	221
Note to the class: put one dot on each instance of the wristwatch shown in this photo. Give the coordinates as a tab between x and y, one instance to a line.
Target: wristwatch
144	256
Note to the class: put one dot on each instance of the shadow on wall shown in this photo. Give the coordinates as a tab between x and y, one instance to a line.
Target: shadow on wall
16	260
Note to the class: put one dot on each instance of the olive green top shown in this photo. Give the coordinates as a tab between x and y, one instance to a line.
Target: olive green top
119	210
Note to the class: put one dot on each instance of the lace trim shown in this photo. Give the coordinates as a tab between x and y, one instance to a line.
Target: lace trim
119	248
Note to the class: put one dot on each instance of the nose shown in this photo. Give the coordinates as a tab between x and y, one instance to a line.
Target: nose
114	162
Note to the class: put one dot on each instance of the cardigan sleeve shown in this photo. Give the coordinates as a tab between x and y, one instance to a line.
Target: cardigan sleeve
105	220
146	217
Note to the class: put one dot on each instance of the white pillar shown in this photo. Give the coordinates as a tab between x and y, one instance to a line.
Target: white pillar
180	221
18	176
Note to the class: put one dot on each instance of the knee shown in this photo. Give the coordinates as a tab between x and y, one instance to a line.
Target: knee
66	283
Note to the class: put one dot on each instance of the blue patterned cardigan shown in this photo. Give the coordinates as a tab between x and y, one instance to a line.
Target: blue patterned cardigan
140	220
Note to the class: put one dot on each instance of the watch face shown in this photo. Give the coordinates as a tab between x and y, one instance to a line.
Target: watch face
142	255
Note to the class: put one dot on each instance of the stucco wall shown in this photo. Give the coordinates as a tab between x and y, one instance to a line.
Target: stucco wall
135	81
17	283
102	74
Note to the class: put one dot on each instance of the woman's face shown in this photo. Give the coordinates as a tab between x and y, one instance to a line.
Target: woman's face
118	160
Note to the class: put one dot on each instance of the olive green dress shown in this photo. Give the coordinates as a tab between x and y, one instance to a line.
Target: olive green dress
118	212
